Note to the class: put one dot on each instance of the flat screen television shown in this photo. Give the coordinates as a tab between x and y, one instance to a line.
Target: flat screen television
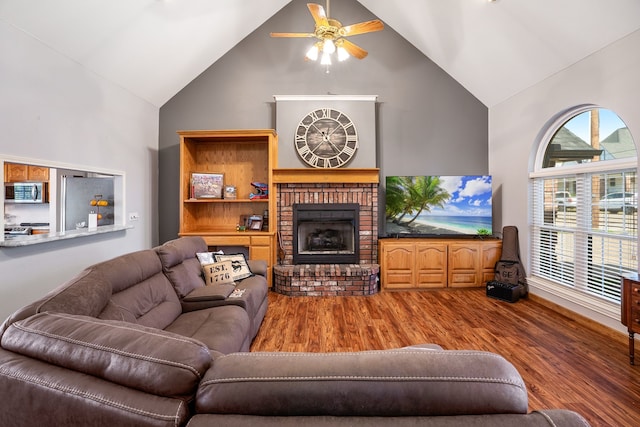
438	205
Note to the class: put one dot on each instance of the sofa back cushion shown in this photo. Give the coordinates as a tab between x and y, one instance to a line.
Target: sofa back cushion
156	362
141	292
180	264
389	383
87	294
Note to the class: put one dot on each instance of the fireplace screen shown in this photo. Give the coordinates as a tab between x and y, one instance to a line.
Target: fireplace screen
325	233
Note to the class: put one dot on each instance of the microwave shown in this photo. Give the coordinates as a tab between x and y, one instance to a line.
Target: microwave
26	192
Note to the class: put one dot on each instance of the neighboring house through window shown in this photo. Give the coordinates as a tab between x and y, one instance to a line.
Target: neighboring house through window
584	208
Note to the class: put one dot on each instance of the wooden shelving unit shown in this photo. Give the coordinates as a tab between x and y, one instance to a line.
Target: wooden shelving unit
242	157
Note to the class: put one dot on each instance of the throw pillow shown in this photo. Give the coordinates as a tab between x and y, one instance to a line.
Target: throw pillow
218	273
239	266
207	257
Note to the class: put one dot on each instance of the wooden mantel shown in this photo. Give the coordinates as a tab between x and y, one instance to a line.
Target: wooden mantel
317	176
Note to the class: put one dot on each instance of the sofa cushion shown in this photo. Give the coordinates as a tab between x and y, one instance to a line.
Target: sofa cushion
87	294
141	291
218	273
207	257
180	265
224	328
240	266
376	383
147	359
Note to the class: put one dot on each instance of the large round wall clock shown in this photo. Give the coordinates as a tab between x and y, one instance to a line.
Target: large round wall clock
326	138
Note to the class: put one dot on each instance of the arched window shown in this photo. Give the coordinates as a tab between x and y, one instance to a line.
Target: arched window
584	204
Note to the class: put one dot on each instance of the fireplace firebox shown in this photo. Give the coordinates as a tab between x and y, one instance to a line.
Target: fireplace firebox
326	233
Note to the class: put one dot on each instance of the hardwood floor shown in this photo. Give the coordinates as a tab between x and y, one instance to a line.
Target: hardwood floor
563	363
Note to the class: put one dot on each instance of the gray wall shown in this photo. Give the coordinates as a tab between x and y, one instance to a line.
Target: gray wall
427	123
609	79
54	110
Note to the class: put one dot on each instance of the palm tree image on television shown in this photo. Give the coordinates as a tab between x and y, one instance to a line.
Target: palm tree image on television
438	205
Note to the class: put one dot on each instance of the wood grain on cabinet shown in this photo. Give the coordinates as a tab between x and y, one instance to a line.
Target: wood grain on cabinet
437	263
243	157
17	172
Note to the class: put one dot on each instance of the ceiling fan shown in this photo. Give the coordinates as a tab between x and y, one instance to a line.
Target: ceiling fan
331	35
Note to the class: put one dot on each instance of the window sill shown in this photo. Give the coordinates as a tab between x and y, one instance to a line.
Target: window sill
34	239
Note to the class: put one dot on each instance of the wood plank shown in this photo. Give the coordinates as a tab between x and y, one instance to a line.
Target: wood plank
564	362
322	175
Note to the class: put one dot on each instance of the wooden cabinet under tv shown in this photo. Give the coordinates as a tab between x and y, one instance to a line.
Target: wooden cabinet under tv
242	157
422	263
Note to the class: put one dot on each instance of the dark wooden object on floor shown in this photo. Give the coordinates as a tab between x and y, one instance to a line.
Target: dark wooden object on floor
631	309
566	362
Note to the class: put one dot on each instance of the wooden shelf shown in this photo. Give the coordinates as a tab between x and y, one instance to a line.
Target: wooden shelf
242	157
311	175
226	201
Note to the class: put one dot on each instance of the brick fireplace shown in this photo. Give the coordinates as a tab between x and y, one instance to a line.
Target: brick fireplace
338	189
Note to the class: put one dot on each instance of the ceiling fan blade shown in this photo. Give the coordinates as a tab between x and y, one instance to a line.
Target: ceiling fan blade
362	27
353	49
318	14
292	35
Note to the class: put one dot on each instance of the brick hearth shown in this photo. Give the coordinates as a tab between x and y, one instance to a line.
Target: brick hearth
328	186
326	279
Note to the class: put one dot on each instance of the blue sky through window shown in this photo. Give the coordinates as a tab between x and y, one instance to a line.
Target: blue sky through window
581	124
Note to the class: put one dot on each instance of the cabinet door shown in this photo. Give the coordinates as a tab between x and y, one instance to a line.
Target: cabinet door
464	265
15	172
260	252
491	252
397	265
431	265
38	173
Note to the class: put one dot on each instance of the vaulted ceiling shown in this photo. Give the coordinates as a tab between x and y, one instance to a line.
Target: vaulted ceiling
153	48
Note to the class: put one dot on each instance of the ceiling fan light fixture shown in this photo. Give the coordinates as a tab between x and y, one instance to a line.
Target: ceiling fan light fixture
328	46
342	54
332	36
326	58
312	53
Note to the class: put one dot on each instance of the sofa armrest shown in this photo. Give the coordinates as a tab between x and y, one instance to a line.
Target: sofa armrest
146	359
210	293
404	382
258	266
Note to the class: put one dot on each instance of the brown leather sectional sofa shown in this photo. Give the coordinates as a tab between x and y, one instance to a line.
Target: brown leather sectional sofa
140	341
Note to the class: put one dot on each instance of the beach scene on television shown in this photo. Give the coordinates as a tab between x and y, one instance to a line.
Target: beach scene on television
438	205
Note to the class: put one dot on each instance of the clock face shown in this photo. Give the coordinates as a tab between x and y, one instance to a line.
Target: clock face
326	138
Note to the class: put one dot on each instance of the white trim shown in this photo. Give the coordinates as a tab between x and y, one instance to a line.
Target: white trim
57	165
596	305
600	166
552	126
370	98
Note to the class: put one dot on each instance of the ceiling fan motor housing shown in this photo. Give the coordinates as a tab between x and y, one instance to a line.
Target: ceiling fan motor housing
331	31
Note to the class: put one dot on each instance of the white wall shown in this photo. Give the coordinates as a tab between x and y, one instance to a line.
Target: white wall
53	109
608	78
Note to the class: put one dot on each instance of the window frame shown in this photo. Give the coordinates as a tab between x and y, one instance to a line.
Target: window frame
574	294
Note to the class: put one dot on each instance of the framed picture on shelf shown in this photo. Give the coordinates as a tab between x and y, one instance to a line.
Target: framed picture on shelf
255	223
206	185
230	192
